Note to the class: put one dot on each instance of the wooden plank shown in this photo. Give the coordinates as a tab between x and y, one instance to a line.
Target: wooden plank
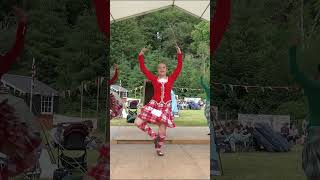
167	142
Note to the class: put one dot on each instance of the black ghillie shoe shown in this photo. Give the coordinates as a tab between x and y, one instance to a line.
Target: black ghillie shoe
160	153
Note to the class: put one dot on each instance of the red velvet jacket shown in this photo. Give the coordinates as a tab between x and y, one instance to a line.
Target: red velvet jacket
161	93
8	59
114	78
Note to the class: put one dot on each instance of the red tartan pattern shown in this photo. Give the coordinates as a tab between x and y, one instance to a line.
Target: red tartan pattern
17	166
146	128
160	142
17	135
115	106
102	170
166	116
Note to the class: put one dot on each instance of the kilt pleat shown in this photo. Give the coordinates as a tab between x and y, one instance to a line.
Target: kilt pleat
115	106
165	117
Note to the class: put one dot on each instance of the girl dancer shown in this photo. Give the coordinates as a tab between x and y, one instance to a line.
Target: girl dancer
311	151
17	141
115	104
158	111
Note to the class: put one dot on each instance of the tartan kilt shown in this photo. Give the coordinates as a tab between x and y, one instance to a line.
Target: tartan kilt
115	106
22	142
100	172
166	116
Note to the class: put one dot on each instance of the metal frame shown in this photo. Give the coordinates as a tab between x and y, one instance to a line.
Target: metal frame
158	9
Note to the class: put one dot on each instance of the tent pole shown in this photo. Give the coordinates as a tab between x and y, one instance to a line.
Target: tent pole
98	93
81	101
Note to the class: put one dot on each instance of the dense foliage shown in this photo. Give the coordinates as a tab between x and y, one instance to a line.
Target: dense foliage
159	31
64	39
254	51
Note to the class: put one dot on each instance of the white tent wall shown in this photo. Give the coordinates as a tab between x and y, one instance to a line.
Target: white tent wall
124	9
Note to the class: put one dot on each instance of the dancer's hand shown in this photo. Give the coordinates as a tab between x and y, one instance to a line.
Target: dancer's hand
21	15
143	50
178	49
116	67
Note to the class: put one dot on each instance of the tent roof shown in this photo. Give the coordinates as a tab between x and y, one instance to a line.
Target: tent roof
124	9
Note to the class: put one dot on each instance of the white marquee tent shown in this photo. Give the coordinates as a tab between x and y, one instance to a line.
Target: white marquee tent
124	9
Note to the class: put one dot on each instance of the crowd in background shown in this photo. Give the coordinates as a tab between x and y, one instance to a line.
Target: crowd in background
190	105
291	133
234	133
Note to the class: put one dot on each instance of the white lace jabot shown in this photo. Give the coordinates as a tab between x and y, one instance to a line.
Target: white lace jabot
162	80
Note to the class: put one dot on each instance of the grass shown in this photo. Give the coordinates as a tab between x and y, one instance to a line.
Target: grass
262	166
187	118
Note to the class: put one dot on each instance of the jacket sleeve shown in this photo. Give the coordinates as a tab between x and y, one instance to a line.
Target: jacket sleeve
178	69
144	69
114	78
8	59
102	15
219	23
295	71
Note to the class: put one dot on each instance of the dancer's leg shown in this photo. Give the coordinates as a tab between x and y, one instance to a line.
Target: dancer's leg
145	127
162	135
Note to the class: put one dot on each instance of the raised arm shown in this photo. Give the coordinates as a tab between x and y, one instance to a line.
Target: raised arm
219	23
205	87
294	69
143	68
114	78
8	59
178	69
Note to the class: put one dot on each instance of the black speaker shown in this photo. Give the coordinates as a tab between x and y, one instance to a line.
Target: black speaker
148	91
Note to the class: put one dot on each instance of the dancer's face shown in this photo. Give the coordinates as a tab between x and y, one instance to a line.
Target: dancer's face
162	69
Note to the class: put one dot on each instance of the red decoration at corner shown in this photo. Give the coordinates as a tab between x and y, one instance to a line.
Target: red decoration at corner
219	23
103	16
9	58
